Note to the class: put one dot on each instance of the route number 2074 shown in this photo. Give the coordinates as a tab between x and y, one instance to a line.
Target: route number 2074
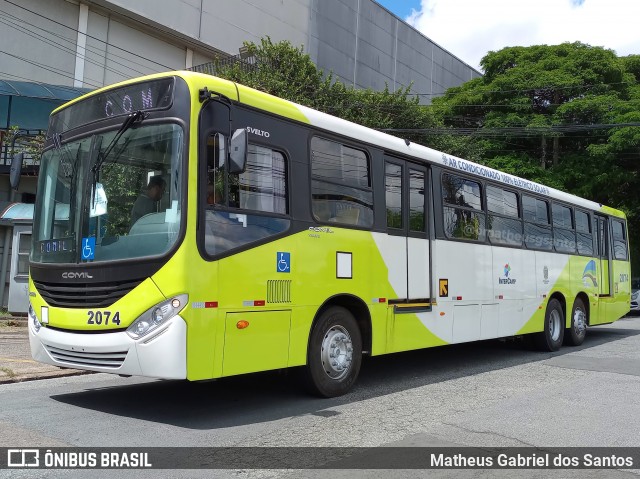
103	317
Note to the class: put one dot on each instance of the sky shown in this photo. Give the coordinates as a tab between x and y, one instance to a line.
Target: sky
470	28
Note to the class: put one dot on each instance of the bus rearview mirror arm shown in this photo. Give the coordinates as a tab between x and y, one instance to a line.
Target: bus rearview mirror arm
239	141
238	148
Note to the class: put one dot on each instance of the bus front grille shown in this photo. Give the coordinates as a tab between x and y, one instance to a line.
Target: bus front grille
111	359
97	295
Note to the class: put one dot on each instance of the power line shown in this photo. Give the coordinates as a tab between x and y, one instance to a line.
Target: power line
87	35
62	47
522	131
69	50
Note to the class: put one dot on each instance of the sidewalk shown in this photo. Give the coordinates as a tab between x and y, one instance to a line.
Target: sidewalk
16	363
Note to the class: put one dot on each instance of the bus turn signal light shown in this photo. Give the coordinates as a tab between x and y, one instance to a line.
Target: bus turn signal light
242	324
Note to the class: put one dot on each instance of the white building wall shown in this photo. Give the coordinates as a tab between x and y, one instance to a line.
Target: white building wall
36	48
358	40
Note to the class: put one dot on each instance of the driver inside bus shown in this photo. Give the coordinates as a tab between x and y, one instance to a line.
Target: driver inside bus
147	202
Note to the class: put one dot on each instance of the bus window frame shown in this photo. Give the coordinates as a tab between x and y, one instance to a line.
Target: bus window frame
201	201
350	143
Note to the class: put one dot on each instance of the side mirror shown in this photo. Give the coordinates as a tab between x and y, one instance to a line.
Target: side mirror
16	170
238	151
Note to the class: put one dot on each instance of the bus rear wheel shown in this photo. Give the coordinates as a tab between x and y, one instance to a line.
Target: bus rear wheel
550	339
574	335
335	353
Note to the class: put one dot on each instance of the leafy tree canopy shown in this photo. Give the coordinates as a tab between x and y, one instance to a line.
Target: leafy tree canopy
286	71
546	113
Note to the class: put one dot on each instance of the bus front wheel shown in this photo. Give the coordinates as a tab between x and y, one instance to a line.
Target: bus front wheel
574	335
335	353
550	339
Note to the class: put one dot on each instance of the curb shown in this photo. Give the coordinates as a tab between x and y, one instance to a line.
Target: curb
49	375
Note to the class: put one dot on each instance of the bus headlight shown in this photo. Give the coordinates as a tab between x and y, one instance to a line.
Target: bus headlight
33	319
156	316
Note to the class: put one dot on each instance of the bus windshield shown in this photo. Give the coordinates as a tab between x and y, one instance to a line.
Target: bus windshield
100	201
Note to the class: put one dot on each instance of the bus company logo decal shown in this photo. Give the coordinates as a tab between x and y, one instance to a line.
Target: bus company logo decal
76	275
256	131
545	275
507	279
589	275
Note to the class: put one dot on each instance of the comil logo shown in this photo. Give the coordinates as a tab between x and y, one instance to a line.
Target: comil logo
76	275
23	458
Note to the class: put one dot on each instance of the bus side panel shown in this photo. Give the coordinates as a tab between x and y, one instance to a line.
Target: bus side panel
552	273
405	331
583	280
618	303
186	272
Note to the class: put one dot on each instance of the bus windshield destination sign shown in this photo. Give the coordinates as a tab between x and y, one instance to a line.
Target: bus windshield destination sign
150	95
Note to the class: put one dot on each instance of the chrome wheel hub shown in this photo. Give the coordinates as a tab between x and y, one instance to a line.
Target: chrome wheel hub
555	325
336	352
579	322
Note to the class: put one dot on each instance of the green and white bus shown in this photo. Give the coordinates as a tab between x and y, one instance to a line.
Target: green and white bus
188	227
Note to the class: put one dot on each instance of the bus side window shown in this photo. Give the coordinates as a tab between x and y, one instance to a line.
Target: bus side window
504	225
463	215
564	237
341	184
215	168
584	236
619	240
537	227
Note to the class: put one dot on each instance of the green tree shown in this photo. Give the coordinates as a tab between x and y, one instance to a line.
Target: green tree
544	113
286	71
31	145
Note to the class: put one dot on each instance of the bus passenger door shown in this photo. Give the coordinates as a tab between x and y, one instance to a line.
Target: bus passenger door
603	269
604	255
418	261
408	248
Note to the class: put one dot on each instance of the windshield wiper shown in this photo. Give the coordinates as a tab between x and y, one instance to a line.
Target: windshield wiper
131	119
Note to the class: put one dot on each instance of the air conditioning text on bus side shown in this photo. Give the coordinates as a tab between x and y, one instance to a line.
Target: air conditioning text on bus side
493	175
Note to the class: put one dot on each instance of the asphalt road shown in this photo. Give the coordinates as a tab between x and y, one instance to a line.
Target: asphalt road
486	394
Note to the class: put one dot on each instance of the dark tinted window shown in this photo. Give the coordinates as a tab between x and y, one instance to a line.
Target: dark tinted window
340	188
502	202
460	191
507	231
464	224
464	219
562	216
416	200
334	161
537	236
564	240
619	240
393	194
535	210
582	222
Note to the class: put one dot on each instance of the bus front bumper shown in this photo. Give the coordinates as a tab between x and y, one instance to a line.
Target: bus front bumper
161	354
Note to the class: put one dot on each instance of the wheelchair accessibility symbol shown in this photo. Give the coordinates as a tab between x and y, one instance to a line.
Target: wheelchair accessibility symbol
88	248
283	263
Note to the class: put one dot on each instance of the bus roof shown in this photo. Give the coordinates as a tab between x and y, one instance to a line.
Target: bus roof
391	144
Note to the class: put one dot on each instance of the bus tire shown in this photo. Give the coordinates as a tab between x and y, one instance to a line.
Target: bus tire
574	335
550	339
335	353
